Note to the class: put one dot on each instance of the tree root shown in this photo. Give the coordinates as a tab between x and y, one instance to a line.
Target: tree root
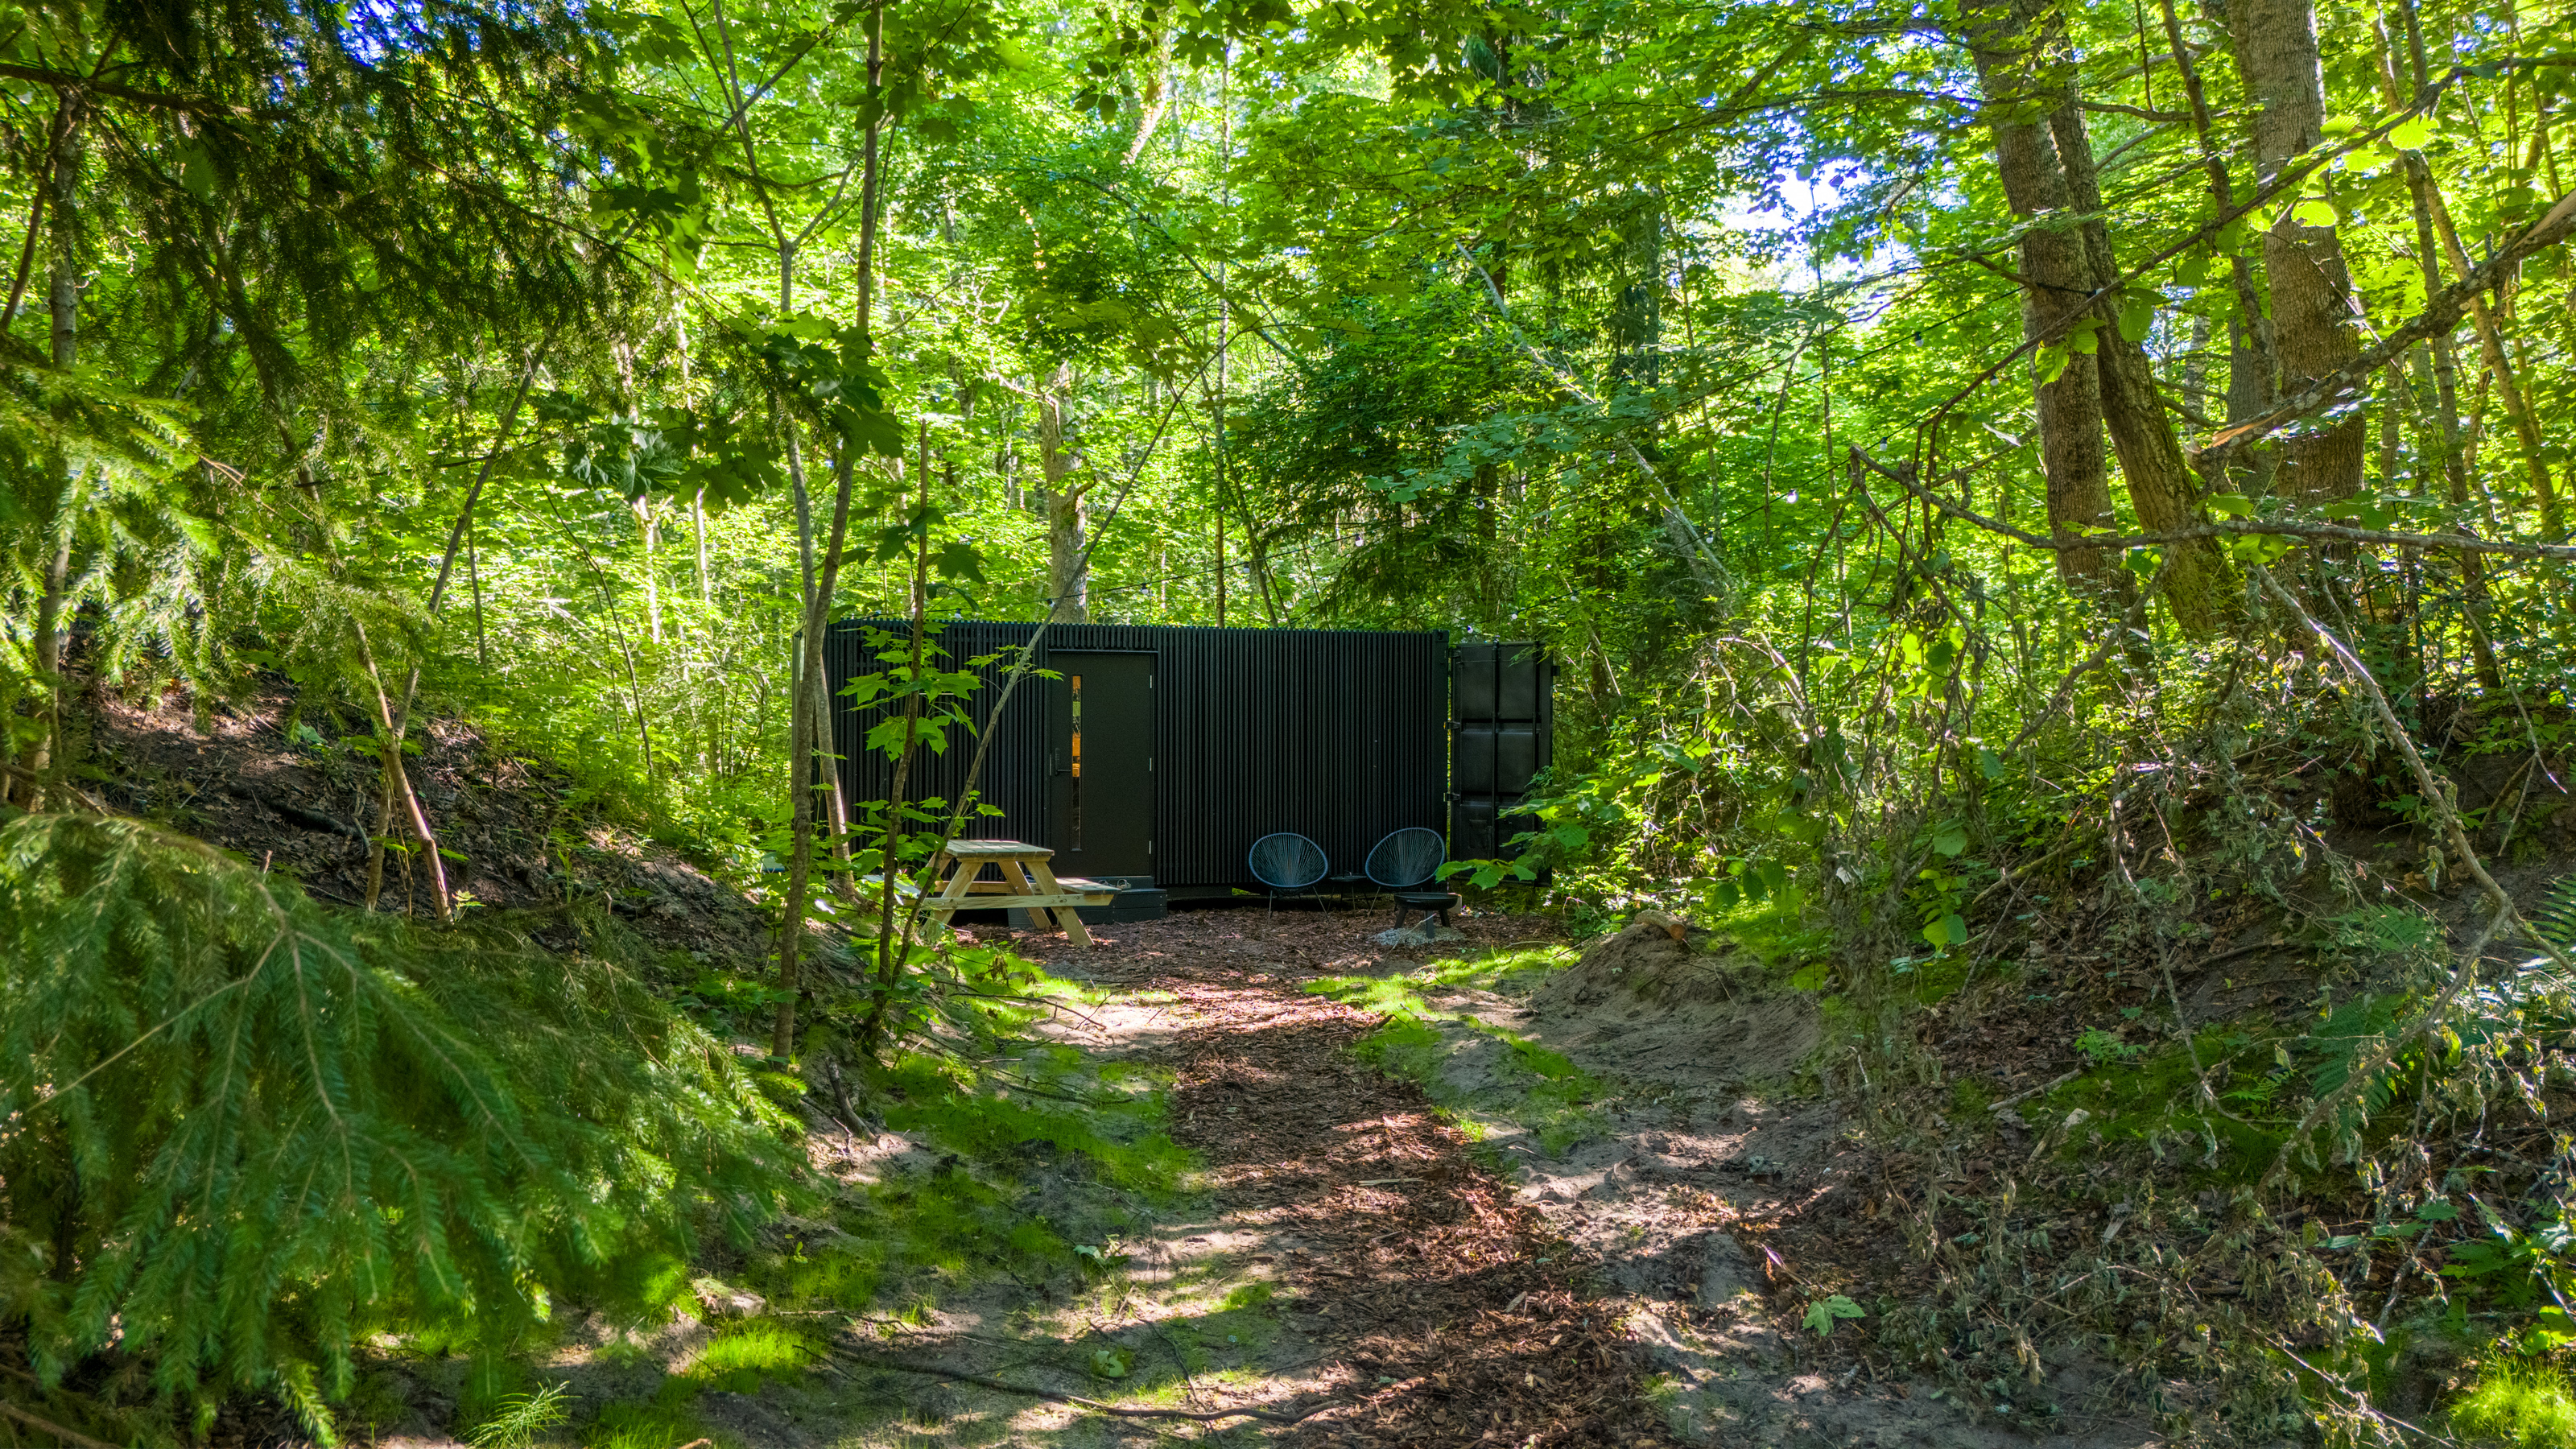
937	1371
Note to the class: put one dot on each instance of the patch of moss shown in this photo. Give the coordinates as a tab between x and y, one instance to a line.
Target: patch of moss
1542	1092
1113	1118
1040	1150
2261	1080
2155	1099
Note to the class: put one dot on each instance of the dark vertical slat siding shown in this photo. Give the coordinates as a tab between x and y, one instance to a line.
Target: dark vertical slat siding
1339	736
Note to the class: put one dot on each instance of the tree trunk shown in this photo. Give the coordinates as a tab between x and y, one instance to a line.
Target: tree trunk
652	531
821	576
2199	584
1068	572
800	734
836	807
1156	99
2517	406
2055	275
398	788
62	298
2448	444
2315	314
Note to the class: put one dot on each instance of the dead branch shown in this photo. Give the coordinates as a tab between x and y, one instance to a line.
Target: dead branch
48	1426
2440	316
2439	801
96	807
2221	528
937	1371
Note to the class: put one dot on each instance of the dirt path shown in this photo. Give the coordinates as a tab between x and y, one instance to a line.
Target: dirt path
1451	1313
1347	1260
1628	1263
1485	1194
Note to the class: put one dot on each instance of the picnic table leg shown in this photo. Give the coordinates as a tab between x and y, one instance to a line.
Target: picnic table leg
1018	880
1065	916
952	897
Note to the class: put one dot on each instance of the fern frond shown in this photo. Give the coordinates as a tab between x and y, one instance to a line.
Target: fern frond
246	1131
2554	918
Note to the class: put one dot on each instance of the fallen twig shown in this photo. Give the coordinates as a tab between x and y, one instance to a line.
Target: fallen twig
937	1371
2035	1091
2360	1404
2258	948
48	1426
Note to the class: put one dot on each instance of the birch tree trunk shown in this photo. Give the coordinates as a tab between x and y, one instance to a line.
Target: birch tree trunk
1067	514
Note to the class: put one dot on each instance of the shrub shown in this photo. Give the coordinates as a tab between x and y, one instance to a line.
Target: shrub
245	1131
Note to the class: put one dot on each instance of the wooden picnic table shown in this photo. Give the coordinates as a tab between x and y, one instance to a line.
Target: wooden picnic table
1026	883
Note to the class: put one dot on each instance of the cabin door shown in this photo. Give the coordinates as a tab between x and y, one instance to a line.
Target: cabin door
1104	764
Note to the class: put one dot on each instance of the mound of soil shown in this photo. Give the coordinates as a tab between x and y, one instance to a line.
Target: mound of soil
1645	1005
300	804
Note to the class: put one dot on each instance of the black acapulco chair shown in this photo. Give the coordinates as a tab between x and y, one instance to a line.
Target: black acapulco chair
1404	864
1289	864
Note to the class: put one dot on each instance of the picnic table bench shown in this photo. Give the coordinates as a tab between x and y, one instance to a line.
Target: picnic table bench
1027	883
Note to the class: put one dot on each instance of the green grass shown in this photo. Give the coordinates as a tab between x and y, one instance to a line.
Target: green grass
743	1356
1223	1342
666	1423
1515	972
2525	1407
1776	929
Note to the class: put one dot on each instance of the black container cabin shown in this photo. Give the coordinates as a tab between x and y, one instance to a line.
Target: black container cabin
1161	753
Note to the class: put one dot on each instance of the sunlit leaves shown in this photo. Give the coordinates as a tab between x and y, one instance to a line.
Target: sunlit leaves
826	369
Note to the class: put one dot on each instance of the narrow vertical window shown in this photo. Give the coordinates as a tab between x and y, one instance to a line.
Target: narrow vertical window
1077	762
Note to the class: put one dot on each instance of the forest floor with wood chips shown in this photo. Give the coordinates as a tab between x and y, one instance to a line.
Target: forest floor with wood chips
1449	1261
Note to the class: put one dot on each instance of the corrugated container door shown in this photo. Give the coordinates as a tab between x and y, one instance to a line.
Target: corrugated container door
1502	721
